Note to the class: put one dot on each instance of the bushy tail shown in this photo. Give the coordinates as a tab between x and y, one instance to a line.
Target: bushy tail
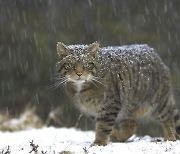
177	123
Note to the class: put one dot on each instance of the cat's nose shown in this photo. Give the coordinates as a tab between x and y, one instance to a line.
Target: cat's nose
79	73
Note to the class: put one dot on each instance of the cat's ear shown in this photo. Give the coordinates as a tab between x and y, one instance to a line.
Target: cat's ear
61	50
93	49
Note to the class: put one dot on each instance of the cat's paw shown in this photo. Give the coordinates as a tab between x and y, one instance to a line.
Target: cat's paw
98	144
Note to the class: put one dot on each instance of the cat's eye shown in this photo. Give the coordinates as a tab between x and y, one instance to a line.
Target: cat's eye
68	66
89	66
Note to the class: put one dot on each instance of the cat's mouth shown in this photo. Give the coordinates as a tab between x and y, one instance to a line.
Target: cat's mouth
77	80
80	82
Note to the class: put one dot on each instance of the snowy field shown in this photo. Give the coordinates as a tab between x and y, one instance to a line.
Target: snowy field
70	141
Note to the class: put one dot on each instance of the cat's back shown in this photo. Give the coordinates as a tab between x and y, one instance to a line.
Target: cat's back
137	55
128	52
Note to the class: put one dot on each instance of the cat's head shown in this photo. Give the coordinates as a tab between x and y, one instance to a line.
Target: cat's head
78	63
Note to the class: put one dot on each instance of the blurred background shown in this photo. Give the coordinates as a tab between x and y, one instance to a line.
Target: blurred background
29	30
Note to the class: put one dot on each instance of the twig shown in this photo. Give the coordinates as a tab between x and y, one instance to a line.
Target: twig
7	150
34	147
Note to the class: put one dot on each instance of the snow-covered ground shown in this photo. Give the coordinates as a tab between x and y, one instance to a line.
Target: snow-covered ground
67	141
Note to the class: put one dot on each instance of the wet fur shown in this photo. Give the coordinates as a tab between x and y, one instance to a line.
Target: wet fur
125	84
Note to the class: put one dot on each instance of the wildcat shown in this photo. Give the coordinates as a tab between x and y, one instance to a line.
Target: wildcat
116	86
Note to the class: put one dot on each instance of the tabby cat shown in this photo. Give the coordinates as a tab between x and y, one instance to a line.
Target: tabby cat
116	86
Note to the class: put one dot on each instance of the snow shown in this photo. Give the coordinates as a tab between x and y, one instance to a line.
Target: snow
69	140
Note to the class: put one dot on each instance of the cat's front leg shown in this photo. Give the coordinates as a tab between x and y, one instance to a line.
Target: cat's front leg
103	131
104	124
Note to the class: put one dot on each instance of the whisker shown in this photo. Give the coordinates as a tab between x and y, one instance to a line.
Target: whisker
96	77
97	81
102	80
93	83
57	77
58	80
57	84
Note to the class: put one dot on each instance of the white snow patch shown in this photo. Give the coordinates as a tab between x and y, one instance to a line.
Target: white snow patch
55	140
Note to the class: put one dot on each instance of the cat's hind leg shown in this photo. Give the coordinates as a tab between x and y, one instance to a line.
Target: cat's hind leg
165	112
126	129
169	131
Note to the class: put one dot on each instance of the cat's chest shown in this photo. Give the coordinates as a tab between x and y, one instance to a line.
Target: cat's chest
88	102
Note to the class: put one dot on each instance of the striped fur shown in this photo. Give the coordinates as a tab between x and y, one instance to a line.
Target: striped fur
118	85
